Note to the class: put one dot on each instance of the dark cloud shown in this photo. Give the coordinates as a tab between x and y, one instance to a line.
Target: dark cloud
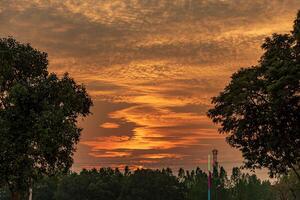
100	115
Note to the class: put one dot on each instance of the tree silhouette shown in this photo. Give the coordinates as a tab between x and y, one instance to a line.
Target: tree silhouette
144	184
38	116
260	108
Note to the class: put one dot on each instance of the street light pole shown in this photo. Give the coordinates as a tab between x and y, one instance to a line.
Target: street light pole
209	179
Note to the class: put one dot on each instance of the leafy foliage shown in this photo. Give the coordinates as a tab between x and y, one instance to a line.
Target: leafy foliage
92	185
38	116
288	186
260	108
110	184
146	184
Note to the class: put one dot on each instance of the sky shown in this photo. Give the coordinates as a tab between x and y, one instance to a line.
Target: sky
151	67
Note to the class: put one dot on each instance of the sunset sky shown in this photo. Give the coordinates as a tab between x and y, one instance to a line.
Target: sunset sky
151	67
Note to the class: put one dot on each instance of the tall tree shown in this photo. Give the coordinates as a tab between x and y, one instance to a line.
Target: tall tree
196	185
260	108
38	116
146	184
104	184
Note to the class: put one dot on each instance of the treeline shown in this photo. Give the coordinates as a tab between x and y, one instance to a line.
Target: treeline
147	184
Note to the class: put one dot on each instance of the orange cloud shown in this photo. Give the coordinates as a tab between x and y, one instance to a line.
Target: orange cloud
110	154
109	125
162	155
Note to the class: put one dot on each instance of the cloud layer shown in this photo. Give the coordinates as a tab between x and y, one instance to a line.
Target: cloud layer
151	68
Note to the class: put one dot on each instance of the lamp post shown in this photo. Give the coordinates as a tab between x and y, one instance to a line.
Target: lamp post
209	178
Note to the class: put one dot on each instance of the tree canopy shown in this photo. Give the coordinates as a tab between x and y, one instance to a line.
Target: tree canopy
38	116
147	184
260	108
